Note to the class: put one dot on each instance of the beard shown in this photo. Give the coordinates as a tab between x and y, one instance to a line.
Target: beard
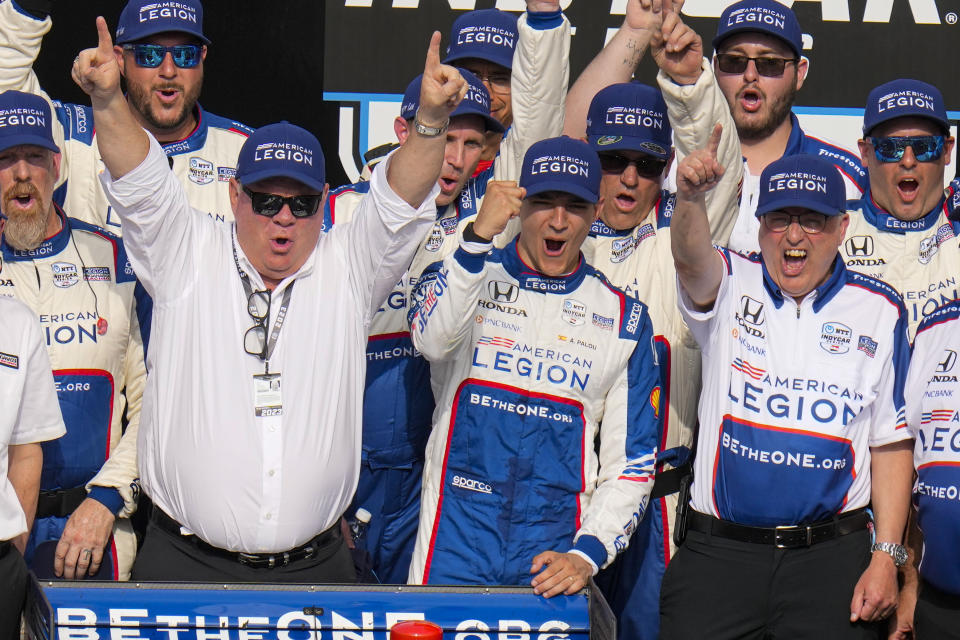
159	118
25	229
761	125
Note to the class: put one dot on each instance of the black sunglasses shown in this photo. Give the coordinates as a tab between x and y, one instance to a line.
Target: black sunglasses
270	204
768	66
647	166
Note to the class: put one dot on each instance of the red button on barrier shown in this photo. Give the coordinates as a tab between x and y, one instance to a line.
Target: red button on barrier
416	630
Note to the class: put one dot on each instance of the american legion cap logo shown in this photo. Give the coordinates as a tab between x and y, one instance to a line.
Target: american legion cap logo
767	16
804	181
629	116
25	119
141	19
562	164
904	97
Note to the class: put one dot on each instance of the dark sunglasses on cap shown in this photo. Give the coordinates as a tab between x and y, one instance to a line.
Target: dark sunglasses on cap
270	204
647	166
769	66
925	148
185	56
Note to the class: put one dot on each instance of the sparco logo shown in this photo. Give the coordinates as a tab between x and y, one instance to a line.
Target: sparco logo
472	485
502	291
633	322
949	359
513	311
859	246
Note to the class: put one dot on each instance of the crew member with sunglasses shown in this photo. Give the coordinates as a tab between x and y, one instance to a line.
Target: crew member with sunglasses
629	126
760	67
801	420
250	435
900	230
398	404
161	49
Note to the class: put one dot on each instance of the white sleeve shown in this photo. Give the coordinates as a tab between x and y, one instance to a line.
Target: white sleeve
693	111
381	239
20	38
701	322
441	303
888	415
538	91
38	415
161	231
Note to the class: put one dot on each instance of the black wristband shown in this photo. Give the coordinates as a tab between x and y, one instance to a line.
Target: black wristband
39	9
469	235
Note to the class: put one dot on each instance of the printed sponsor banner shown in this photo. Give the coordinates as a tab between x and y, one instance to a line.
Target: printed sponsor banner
192	611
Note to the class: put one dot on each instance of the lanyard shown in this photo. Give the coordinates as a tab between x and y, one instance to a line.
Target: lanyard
281	312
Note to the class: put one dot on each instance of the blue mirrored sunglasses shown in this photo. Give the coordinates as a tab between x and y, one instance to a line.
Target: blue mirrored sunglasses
925	148
185	56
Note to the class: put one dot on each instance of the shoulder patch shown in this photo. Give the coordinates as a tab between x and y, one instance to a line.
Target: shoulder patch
665	207
220	122
947	313
77	121
123	270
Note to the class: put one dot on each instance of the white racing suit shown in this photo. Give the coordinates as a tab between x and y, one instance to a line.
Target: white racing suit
528	370
71	281
639	260
398	405
204	161
919	258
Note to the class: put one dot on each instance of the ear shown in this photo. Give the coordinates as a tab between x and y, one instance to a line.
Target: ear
323	199
118	52
203	54
948	149
803	66
666	169
596	209
844	223
865	150
401	128
56	167
234	195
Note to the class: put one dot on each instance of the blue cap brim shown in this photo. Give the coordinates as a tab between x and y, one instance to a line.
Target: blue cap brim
629	143
564	186
803	203
266	174
37	141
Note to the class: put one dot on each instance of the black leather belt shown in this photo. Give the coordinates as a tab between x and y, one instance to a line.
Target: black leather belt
60	503
668	482
255	560
790	537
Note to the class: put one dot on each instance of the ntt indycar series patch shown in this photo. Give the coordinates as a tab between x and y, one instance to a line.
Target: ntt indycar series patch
794	395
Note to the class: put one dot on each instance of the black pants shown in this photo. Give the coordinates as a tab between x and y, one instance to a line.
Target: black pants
719	588
937	616
13	590
166	557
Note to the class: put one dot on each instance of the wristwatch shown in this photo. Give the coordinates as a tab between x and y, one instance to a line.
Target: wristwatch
897	551
430	132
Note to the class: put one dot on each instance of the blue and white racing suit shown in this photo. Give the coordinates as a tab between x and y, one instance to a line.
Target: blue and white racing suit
397	403
528	370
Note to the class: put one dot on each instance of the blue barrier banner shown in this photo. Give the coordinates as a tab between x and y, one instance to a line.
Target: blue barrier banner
189	611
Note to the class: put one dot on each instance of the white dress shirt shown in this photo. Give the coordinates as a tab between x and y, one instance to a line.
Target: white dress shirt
238	481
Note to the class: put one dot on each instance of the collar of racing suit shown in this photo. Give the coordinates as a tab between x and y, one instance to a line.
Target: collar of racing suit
876	216
822	294
529	278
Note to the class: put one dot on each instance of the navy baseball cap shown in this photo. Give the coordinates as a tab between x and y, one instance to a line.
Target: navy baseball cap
802	180
763	16
904	97
282	150
25	119
142	18
562	164
475	103
629	116
486	34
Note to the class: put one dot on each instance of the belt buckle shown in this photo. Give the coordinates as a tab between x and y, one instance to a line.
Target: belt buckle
784	529
251	559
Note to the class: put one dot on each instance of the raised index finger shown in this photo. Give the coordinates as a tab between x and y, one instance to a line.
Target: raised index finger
433	55
105	42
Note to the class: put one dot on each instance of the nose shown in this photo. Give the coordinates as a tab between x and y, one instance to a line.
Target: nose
167	68
750	74
795	232
284	217
454	155
908	160
629	177
21	170
558	218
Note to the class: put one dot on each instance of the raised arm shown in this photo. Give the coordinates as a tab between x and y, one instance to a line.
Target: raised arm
699	266
617	61
123	143
415	167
